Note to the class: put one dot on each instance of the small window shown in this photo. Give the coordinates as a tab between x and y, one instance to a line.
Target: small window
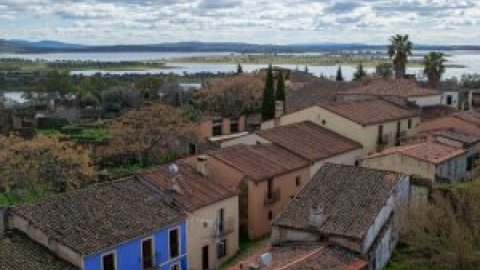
222	249
108	261
449	100
270	215
297	181
234	126
192	149
409	123
175	267
357	162
174	243
217	127
147	254
291	197
324	122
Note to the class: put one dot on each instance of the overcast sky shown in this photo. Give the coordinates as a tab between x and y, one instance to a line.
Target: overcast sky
253	21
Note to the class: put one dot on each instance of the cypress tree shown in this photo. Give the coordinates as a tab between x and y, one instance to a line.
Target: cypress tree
339	74
360	73
268	102
239	69
280	94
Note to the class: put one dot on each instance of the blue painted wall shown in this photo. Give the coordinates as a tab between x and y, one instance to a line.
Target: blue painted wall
128	255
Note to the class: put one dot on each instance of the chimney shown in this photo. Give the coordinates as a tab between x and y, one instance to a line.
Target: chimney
173	176
316	216
279	108
202	166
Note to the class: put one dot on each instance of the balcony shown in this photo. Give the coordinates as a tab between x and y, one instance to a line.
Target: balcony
222	229
272	197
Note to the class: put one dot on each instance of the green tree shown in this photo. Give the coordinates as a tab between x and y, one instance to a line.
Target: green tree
280	94
339	77
268	101
59	83
89	92
384	70
239	69
360	73
399	49
434	67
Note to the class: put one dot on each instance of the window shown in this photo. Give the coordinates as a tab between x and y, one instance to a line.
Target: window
357	162
221	220
449	100
192	149
409	123
222	249
147	254
174	243
175	267
297	181
380	134
470	163
324	122
108	261
270	215
270	189
234	126
217	128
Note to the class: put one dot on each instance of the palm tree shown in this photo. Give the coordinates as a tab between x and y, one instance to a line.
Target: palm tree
434	67
399	49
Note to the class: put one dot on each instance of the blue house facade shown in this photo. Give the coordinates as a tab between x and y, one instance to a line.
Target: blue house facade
164	250
119	225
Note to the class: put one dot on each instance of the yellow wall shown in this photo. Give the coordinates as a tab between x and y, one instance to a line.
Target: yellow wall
200	233
367	136
402	164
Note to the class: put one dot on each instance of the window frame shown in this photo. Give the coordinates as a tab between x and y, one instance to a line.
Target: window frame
153	250
225	251
114	253
179	243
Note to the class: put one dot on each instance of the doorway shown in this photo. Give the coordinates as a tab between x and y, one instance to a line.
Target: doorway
205	258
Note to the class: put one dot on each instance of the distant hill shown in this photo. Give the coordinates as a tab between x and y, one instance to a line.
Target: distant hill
22	46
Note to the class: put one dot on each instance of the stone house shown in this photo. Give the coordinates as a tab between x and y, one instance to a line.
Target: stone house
359	209
429	160
308	140
122	225
212	212
216	126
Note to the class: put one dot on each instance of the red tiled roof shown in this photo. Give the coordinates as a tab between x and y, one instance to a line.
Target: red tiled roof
449	123
431	152
437	111
309	140
469	116
398	88
260	162
350	197
196	190
311	256
370	112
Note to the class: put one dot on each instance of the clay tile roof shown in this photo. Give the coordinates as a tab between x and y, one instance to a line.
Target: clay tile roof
351	198
469	116
17	251
309	140
397	88
449	123
437	111
311	256
197	191
315	93
459	136
431	152
260	162
370	112
101	216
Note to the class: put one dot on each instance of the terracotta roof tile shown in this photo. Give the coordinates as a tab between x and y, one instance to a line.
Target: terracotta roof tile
197	191
309	140
260	162
311	256
17	251
469	116
351	198
449	123
437	111
429	151
398	88
101	216
459	136
370	112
